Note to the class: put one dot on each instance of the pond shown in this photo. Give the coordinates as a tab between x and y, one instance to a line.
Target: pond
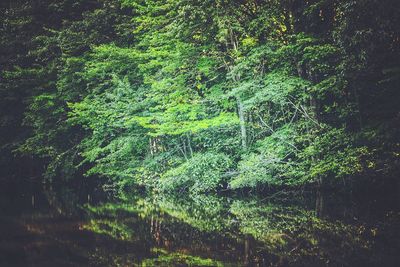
46	225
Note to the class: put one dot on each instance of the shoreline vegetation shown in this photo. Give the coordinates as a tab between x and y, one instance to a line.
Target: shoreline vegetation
202	96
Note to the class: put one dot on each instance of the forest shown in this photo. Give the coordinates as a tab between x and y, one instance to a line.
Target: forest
208	100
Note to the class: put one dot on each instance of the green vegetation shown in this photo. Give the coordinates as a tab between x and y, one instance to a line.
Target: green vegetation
178	259
202	96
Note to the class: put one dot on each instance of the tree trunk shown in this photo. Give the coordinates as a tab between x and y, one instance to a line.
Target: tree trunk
319	203
243	130
189	145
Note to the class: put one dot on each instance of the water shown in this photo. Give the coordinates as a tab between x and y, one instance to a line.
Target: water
44	225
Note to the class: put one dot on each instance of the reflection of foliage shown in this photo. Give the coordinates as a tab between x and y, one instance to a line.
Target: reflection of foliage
111	209
112	228
164	258
141	207
264	223
205	213
108	219
292	232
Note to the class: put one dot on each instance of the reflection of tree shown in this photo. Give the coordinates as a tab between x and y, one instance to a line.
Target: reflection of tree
113	228
154	226
250	231
116	220
165	258
292	233
155	229
205	213
319	204
63	200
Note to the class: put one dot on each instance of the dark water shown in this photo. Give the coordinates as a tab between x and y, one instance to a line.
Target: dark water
44	225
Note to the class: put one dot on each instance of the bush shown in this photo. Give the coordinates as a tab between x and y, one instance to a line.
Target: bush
202	173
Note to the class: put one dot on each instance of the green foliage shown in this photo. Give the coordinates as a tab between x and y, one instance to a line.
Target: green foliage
271	164
182	119
165	258
201	173
111	228
196	96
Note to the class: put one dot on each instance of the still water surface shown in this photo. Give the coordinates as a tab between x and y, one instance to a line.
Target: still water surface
44	225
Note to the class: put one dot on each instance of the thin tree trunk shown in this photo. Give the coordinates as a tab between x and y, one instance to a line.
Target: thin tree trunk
243	130
189	145
319	203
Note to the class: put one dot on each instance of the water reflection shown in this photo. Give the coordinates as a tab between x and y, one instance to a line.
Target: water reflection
48	226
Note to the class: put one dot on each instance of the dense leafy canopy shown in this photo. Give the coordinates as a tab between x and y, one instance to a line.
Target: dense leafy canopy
200	96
